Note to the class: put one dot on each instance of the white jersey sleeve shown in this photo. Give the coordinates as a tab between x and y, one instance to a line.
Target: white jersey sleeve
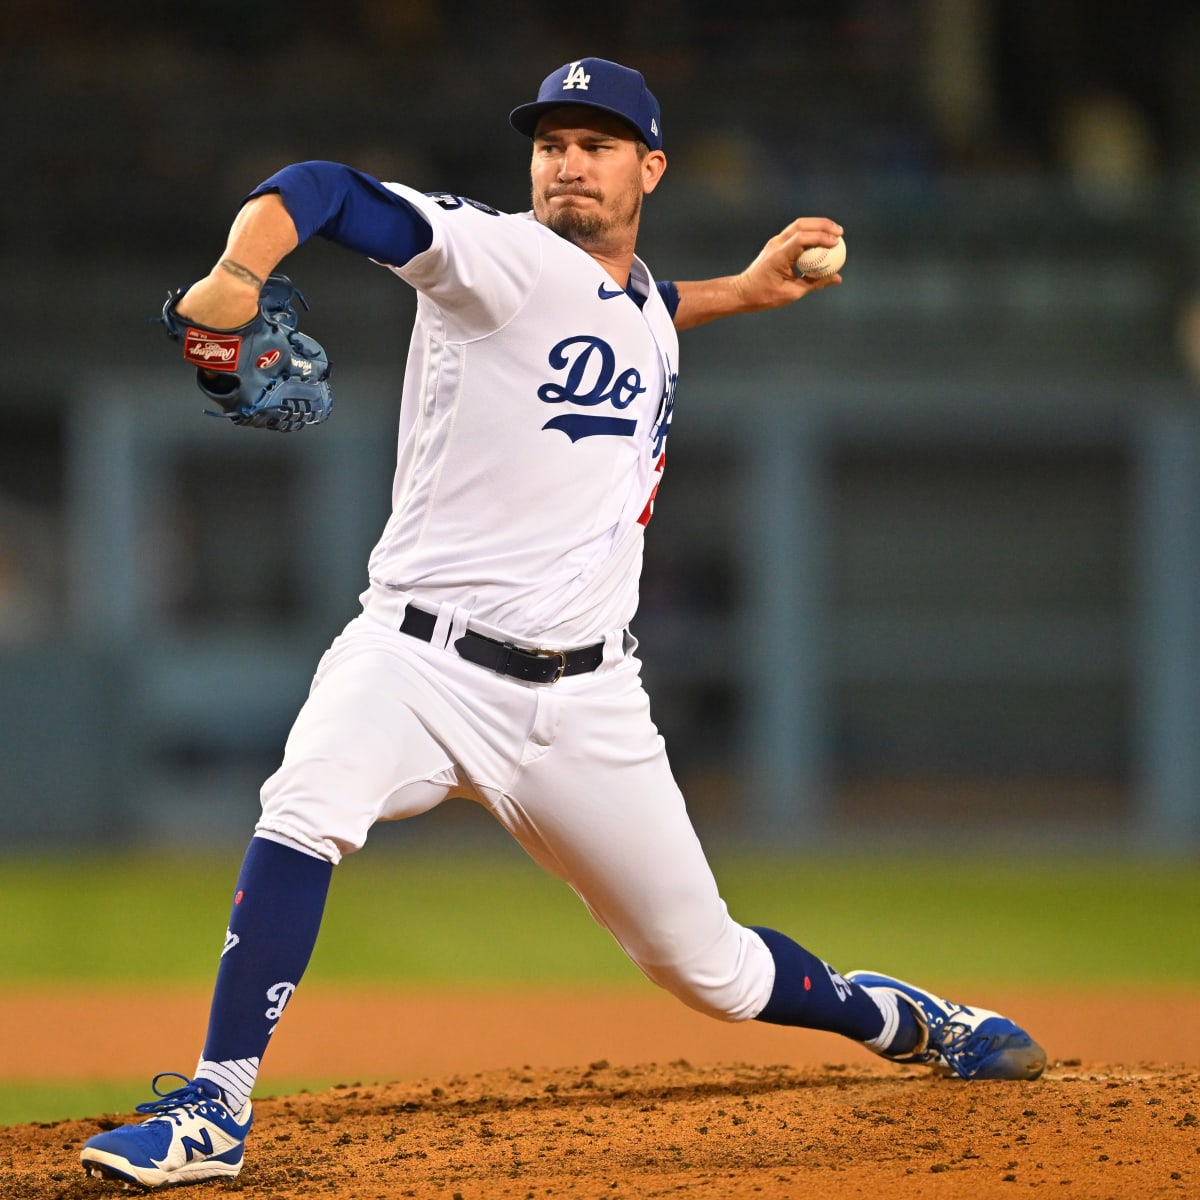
537	399
476	292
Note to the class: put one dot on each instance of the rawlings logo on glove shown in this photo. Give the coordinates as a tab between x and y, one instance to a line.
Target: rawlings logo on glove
217	352
266	373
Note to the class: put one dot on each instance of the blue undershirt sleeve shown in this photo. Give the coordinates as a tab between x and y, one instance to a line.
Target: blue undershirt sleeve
345	206
670	295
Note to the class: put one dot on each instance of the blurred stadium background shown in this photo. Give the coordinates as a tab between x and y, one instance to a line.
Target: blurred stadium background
926	561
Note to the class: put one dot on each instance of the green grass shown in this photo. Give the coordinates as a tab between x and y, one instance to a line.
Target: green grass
25	1103
466	919
1052	923
493	919
22	1103
483	919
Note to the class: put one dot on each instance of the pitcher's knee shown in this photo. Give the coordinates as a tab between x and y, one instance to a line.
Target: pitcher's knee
732	982
306	804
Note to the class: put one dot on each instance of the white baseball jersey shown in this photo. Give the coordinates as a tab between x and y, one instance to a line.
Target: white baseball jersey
537	401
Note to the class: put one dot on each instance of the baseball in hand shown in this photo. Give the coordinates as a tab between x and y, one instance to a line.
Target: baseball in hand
819	261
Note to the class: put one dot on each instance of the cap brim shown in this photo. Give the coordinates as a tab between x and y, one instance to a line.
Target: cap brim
524	119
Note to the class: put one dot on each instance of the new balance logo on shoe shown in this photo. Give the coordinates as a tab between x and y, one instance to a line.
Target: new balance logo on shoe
193	1146
191	1135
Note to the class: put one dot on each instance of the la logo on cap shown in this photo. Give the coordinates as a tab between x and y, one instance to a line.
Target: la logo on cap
576	78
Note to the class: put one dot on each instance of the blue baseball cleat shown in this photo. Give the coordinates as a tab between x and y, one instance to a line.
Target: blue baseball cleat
191	1136
971	1043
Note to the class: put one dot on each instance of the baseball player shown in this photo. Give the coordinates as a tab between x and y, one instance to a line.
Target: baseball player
492	657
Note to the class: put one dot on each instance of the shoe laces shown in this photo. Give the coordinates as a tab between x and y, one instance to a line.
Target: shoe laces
191	1096
962	1045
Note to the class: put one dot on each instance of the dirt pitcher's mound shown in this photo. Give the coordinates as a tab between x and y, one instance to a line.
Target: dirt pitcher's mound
604	1130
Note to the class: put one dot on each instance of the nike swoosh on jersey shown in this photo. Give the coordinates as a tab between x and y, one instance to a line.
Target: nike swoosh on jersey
605	294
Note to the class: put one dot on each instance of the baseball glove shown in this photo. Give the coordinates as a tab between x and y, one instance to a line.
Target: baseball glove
265	373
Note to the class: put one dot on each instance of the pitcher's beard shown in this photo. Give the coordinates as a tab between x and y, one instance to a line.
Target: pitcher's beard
586	229
582	228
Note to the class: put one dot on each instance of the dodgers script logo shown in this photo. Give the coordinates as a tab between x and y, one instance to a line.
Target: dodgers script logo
280	993
840	986
592	378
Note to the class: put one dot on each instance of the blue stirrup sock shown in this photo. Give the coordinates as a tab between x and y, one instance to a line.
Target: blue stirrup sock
808	992
277	909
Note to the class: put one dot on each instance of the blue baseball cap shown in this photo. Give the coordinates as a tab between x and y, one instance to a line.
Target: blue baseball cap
596	83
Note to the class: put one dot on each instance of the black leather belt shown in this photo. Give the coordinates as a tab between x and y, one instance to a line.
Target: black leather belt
534	666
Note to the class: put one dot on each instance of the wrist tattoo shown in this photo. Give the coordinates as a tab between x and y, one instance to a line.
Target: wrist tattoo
239	272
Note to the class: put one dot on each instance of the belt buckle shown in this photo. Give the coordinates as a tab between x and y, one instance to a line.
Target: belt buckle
561	655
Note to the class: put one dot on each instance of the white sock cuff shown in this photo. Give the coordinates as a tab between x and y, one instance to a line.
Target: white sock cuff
234	1076
888	1005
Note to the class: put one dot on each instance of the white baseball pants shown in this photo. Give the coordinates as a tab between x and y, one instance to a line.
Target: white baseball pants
575	771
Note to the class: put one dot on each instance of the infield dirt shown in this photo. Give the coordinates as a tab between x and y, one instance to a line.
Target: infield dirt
733	1118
